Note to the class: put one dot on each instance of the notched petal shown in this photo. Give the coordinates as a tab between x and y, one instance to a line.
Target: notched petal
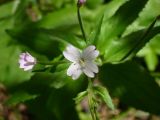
90	53
74	71
92	66
71	53
88	72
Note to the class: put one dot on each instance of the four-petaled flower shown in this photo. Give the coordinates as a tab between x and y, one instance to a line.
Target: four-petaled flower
81	61
26	61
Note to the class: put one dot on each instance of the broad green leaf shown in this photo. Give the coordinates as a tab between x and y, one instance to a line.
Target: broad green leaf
7	10
10	73
127	47
104	95
150	53
132	84
116	25
37	40
59	19
146	16
19	97
150	11
111	8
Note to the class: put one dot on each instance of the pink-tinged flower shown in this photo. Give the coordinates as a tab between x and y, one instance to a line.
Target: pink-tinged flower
81	2
81	61
26	61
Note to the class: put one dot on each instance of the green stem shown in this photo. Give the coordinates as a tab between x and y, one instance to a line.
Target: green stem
90	108
91	102
95	112
80	23
50	63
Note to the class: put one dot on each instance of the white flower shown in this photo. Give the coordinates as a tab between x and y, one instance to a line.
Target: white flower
81	61
26	61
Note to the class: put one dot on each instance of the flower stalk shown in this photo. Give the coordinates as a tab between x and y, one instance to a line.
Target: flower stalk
51	63
80	21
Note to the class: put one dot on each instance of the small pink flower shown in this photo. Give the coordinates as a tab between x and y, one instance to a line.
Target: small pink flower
26	61
81	2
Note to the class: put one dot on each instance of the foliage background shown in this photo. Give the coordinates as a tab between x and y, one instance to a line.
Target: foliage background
43	27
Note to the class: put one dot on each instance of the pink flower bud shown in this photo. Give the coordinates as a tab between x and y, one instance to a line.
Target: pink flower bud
81	2
26	61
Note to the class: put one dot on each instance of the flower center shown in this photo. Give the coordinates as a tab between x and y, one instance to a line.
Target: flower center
82	62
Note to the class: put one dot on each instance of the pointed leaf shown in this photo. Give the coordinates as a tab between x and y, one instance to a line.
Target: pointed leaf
103	93
116	25
80	96
128	46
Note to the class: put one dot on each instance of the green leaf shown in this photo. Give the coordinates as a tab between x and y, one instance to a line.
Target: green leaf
116	25
62	18
19	97
94	36
10	73
93	3
151	59
103	93
38	40
132	84
128	46
80	96
7	10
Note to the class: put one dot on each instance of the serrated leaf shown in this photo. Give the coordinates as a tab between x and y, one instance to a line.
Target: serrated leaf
132	84
19	97
103	93
116	25
128	46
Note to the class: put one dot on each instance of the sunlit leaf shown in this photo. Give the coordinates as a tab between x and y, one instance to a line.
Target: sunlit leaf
117	24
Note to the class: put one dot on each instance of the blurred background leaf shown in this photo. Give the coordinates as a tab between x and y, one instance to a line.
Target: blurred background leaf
132	84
